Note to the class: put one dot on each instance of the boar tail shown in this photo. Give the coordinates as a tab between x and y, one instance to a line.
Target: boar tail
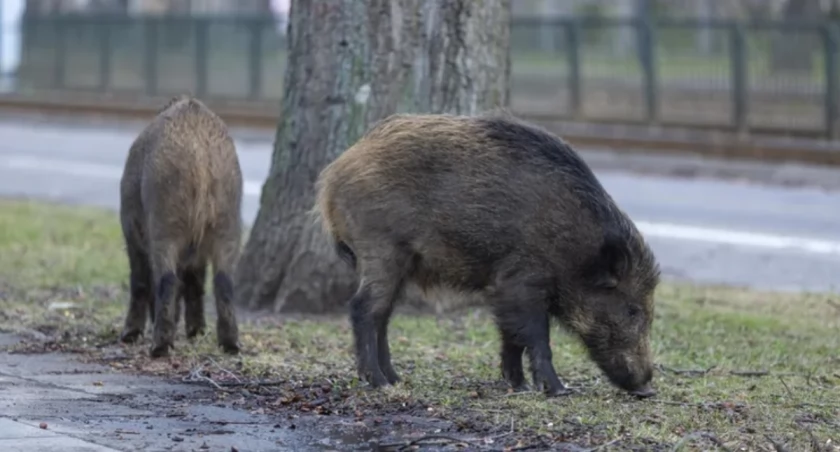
202	210
325	211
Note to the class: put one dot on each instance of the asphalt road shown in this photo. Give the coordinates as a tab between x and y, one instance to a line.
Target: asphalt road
702	229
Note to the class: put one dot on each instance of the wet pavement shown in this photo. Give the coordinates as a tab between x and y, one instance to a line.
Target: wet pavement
57	402
53	402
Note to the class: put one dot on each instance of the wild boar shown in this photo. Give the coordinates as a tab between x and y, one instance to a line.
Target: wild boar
496	208
180	198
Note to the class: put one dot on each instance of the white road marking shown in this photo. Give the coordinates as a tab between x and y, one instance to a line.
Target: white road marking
728	236
649	229
75	168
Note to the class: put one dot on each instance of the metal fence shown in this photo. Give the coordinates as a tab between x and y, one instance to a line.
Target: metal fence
773	77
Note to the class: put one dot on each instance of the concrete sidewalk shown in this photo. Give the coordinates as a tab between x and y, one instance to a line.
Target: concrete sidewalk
51	402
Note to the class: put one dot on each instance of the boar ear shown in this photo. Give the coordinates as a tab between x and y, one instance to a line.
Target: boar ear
610	264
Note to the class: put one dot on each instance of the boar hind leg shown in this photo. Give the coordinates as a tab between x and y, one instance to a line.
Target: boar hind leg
167	289
370	312
141	299
364	335
193	292
224	258
524	322
383	349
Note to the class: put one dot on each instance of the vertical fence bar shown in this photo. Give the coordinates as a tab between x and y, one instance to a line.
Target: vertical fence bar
151	29
830	40
105	55
573	56
201	27
255	60
3	32
738	55
647	58
59	76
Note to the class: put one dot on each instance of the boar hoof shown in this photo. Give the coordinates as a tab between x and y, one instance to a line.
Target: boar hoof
644	392
391	376
522	387
376	380
196	331
130	336
560	392
231	348
160	350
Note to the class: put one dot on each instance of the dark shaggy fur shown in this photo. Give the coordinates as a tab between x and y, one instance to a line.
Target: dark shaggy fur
180	199
500	211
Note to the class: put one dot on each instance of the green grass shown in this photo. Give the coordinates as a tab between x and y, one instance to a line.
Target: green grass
705	341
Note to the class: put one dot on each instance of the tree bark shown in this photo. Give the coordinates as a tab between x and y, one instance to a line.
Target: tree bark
350	64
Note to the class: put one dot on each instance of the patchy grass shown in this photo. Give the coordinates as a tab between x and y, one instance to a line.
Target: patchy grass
736	367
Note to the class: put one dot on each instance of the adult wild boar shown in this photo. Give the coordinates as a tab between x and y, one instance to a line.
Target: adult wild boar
494	208
180	198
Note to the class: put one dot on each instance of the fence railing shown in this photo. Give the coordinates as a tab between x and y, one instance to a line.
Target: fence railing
773	77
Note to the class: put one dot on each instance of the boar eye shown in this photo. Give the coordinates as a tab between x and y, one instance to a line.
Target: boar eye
633	310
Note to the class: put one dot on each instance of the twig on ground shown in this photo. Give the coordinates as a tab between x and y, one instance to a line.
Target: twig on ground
508	433
219	366
428	439
605	445
521	393
787	388
541	445
195	376
701	434
258	383
776	445
696	372
751	373
672	402
734	373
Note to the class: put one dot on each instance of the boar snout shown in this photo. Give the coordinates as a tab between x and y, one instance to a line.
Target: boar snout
630	372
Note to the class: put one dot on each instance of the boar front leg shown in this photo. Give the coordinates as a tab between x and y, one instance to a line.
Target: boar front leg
511	357
382	280
364	335
520	310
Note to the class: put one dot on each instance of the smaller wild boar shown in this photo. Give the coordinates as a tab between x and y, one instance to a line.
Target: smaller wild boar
180	198
494	209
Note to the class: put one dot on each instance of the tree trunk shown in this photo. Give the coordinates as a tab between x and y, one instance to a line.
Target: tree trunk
350	64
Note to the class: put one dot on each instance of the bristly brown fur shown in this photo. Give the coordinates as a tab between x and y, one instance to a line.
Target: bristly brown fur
497	209
180	204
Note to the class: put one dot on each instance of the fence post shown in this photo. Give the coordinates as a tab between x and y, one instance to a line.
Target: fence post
647	57
255	52
573	60
737	38
201	27
830	40
2	38
60	52
105	55
151	58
